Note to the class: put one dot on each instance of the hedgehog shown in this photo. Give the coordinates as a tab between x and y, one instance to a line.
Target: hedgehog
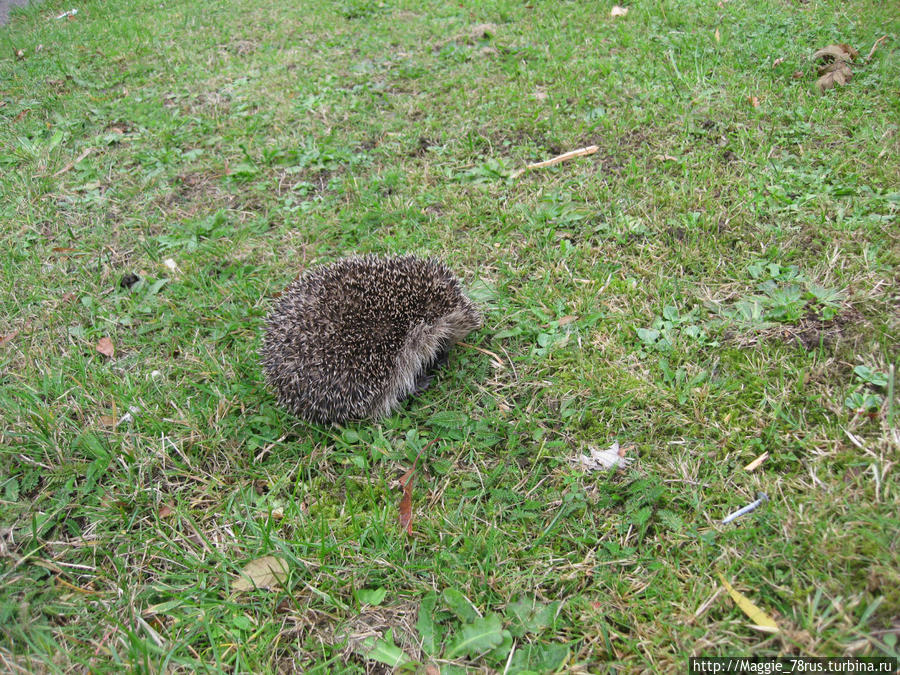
353	339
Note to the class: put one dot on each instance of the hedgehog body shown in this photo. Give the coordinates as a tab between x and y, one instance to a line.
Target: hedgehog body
353	339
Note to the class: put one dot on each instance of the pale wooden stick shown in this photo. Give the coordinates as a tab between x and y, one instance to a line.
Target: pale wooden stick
580	152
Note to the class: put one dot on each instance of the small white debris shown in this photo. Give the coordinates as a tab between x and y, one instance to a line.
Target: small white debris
600	460
171	264
71	12
618	11
129	416
155	375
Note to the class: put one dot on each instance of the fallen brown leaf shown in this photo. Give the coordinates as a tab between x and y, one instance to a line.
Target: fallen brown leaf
406	501
777	62
753	100
165	511
21	114
837	73
266	572
718	35
406	480
105	347
107	420
7	337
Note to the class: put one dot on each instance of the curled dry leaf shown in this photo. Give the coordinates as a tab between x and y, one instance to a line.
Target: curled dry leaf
777	62
266	572
105	347
838	52
618	11
165	511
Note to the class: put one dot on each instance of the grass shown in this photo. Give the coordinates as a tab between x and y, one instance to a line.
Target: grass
718	280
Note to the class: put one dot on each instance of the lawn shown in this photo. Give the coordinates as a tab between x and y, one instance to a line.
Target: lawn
718	280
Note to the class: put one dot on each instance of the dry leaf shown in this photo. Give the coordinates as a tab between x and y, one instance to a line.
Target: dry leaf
618	11
762	621
718	36
569	318
107	420
838	52
7	337
266	572
406	502
165	511
753	100
777	62
105	347
665	158
837	73
797	74
20	54
602	460
21	114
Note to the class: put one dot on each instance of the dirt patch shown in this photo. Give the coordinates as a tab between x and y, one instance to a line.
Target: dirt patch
811	332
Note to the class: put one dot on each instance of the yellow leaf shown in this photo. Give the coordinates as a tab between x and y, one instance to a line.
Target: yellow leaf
752	466
266	572
762	621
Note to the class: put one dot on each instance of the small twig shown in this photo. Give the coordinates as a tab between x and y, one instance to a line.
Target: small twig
883	38
580	152
71	165
496	358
